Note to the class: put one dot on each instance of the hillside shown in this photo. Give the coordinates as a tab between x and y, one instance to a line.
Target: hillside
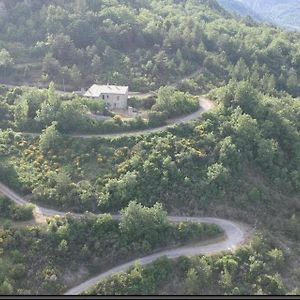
284	13
141	44
238	160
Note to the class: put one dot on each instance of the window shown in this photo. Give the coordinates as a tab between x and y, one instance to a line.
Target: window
103	97
107	96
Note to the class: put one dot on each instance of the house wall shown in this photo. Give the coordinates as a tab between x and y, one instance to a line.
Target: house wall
115	101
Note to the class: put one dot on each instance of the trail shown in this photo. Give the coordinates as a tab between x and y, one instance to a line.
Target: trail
204	106
234	235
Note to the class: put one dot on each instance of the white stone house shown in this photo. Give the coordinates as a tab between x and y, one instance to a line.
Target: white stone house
115	97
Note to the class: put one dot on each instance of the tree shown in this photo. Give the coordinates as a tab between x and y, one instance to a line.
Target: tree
229	154
277	259
63	48
50	139
6	288
71	115
6	61
246	97
118	192
62	182
49	108
75	75
269	83
272	285
51	67
20	114
217	174
204	274
225	281
192	282
140	223
174	102
241	70
34	99
21	213
292	81
266	153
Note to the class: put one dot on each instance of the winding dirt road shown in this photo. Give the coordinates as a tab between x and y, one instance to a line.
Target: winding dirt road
234	235
204	103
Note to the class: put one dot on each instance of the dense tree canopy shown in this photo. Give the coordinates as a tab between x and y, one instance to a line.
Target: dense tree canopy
241	161
144	44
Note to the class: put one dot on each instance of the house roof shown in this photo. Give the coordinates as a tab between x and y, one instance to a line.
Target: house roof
96	90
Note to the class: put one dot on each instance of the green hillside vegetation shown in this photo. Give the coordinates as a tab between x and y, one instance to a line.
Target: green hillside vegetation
214	161
144	44
41	260
254	269
15	212
241	161
34	110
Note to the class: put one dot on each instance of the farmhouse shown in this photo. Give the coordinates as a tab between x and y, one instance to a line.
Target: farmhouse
113	95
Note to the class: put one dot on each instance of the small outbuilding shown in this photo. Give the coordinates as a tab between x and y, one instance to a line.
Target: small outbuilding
115	97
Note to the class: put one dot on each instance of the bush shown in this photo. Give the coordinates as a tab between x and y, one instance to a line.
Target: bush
50	139
157	119
110	126
21	213
137	123
139	223
190	231
175	103
142	103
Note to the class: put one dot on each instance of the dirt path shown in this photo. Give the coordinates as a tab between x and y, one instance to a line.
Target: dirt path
235	235
204	103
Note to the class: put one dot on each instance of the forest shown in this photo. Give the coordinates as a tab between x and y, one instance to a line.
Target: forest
38	260
143	44
241	161
253	269
33	110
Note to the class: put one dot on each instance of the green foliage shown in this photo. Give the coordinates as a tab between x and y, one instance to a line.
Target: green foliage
292	227
50	139
15	212
20	114
214	275
241	161
46	254
174	103
140	223
5	58
6	288
141	103
156	119
145	45
33	109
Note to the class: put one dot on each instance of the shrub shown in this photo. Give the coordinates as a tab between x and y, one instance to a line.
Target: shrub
21	213
157	119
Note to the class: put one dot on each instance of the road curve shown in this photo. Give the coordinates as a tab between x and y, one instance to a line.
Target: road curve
16	198
235	234
204	103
